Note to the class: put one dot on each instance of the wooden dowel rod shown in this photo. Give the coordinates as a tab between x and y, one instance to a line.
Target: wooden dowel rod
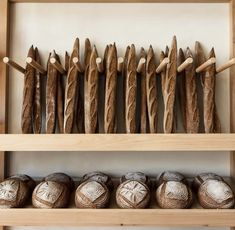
57	65
185	64
162	65
140	65
120	64
36	65
13	64
78	65
225	66
100	65
203	66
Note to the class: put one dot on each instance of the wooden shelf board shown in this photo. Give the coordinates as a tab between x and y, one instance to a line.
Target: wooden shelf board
117	142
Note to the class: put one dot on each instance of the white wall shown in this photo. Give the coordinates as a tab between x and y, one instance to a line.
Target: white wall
51	26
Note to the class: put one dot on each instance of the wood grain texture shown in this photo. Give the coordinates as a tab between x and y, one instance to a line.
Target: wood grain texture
51	95
169	85
110	90
131	86
28	96
71	90
151	90
37	105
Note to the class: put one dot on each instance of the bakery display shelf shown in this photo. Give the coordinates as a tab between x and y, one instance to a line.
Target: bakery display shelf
117	142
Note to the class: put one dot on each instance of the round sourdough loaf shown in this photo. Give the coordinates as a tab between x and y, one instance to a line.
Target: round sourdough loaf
171	176
132	194
25	178
215	194
50	194
13	193
61	178
92	194
99	177
174	195
138	176
199	179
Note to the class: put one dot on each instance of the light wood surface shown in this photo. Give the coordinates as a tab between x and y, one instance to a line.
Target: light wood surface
185	64
226	65
203	66
36	65
78	65
120	64
13	64
117	142
162	65
100	65
57	65
140	65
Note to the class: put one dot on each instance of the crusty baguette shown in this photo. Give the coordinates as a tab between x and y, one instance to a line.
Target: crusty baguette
191	104
131	86
169	88
151	90
37	106
143	96
71	91
51	96
67	57
110	90
91	94
28	96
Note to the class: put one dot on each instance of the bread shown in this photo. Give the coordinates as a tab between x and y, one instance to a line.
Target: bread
92	194
51	96
30	182
71	90
37	105
110	90
50	194
151	89
13	193
171	176
169	85
130	91
91	84
132	194
138	176
28	96
174	195
61	178
99	177
199	179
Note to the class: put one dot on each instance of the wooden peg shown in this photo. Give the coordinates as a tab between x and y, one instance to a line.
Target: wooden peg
13	64
100	65
225	66
185	64
204	65
140	65
78	65
57	65
36	65
162	65
120	64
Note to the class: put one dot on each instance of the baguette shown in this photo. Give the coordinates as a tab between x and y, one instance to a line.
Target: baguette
110	90
151	90
28	96
71	90
37	106
67	57
51	96
169	88
91	94
191	104
131	85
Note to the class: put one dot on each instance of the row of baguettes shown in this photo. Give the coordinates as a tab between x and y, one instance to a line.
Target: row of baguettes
77	102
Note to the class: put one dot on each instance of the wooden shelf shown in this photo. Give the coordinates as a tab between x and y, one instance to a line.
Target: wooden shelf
117	142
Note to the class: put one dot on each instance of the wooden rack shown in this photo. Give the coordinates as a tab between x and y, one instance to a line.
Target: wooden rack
117	142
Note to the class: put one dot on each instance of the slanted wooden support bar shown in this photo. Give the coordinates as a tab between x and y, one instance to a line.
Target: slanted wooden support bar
225	66
78	65
36	65
120	64
206	64
162	65
185	64
141	65
57	65
100	65
13	64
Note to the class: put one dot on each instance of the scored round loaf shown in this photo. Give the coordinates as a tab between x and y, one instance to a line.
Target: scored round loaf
99	177
50	194
13	193
199	179
215	194
92	194
138	176
132	194
171	176
25	178
61	178
174	195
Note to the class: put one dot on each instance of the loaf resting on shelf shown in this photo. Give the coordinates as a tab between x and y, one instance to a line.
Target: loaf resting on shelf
134	190
140	93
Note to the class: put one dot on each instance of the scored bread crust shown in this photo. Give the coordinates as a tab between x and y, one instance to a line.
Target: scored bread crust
28	96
